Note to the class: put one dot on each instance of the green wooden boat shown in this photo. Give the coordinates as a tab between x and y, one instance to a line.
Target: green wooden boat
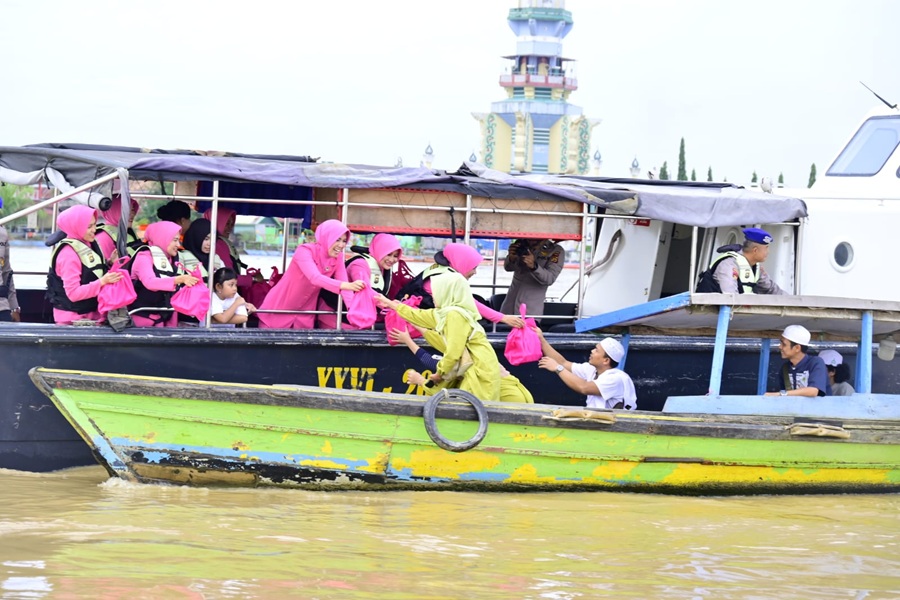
159	430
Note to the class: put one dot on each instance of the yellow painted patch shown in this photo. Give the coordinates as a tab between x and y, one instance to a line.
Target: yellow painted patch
616	471
377	464
326	447
325	464
238	445
441	463
556	438
695	473
527	474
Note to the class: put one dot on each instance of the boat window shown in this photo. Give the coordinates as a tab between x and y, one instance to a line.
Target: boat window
843	256
869	149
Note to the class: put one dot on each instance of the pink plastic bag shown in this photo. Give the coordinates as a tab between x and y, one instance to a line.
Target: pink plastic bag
119	294
394	321
360	307
192	301
400	278
275	277
256	292
523	345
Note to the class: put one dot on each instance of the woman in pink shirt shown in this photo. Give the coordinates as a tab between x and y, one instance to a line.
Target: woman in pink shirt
156	276
315	266
77	268
373	265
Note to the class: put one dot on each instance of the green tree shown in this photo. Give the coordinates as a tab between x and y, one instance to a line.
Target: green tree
664	171
149	206
693	174
15	198
709	174
781	179
812	175
754	179
682	165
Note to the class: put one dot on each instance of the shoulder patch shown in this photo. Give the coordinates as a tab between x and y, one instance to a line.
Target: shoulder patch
554	258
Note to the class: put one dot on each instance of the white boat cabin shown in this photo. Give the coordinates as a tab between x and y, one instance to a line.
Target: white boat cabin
840	249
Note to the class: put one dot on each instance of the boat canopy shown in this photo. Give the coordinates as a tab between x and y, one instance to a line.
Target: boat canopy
703	205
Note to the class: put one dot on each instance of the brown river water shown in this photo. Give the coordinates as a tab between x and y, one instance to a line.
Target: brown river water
79	534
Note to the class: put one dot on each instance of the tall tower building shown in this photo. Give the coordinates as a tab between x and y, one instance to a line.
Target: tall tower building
535	129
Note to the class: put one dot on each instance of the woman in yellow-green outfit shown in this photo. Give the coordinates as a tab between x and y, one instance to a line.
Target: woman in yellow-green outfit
455	318
511	389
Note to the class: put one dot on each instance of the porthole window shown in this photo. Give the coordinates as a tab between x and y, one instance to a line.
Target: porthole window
843	256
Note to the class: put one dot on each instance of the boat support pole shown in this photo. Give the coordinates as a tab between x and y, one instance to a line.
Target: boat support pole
626	339
765	352
715	378
213	232
864	356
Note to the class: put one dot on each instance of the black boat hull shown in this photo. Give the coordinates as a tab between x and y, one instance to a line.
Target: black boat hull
34	436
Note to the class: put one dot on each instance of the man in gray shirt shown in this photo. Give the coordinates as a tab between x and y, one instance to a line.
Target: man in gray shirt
535	265
739	269
9	304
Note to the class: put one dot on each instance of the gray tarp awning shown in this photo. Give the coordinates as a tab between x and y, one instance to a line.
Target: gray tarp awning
703	205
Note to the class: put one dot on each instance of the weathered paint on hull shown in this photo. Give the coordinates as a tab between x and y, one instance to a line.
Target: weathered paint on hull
273	441
34	436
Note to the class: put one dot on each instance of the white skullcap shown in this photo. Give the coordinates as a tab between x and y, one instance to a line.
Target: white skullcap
832	358
613	349
797	334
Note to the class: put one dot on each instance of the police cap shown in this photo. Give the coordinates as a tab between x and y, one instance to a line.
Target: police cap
760	236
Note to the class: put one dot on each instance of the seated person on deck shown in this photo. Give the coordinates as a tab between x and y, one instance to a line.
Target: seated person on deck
801	374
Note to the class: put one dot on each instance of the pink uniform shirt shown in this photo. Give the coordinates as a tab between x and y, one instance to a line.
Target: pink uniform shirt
311	270
158	234
74	222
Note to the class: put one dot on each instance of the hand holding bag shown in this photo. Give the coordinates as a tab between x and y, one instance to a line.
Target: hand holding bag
118	294
360	307
394	321
192	301
523	345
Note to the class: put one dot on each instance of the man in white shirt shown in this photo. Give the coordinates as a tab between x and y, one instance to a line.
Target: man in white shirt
599	379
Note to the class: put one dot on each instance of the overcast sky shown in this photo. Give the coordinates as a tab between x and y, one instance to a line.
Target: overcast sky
759	85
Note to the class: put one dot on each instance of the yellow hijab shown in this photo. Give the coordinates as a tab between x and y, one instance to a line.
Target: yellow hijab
451	292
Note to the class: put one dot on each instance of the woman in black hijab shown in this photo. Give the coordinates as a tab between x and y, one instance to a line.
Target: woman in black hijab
197	243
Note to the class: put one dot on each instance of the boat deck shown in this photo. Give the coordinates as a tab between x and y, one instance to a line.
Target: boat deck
828	319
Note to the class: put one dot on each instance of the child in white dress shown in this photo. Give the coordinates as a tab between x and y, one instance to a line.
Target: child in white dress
228	308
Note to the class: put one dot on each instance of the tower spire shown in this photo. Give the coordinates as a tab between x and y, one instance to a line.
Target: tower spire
535	128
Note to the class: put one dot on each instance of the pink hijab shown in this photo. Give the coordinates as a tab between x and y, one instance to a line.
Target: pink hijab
159	234
74	221
462	257
327	233
383	244
114	214
222	216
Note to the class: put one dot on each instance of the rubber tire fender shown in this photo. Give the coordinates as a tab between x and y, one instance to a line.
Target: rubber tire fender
431	427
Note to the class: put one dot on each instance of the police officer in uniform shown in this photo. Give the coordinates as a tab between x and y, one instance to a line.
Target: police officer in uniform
9	304
535	265
739	270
